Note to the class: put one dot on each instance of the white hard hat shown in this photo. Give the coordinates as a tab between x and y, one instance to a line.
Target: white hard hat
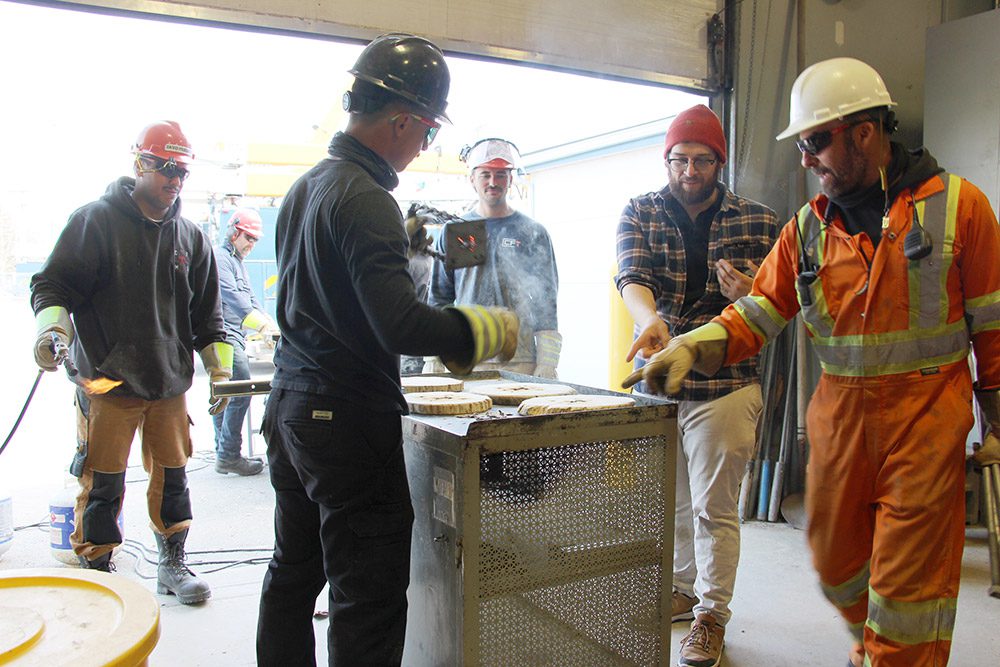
491	152
832	89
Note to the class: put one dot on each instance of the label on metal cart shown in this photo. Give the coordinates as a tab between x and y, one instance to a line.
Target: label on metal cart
444	496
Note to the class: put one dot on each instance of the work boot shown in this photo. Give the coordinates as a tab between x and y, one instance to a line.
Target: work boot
241	466
172	576
682	607
702	647
856	658
101	563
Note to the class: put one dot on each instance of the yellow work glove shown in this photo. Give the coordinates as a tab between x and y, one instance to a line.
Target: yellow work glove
54	329
703	348
548	344
218	361
494	334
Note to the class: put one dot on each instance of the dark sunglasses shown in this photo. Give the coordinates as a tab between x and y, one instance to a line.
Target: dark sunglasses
168	168
817	142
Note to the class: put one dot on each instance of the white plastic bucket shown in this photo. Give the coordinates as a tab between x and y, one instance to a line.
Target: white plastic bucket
62	508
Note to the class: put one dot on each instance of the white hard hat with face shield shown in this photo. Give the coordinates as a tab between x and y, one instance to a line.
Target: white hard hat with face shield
493	153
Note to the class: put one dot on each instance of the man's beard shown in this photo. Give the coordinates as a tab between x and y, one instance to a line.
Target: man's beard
691	198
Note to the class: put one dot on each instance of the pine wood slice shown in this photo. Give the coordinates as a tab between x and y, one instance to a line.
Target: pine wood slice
509	392
550	405
415	383
447	403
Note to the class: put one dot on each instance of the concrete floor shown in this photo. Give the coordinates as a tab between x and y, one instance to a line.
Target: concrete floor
780	617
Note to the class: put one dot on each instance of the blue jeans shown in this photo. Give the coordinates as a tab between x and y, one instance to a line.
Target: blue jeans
229	422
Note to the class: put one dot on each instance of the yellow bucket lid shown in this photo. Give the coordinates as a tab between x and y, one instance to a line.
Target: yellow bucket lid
53	616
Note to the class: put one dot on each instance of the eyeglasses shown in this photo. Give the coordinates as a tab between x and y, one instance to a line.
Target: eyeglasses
680	164
169	168
817	142
432	127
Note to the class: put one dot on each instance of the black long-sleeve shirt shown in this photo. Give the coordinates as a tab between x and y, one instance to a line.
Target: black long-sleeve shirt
347	306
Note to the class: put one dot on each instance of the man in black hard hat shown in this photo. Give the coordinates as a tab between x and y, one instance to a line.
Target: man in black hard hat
347	308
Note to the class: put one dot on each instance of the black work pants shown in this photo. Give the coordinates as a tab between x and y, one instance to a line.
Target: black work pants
342	516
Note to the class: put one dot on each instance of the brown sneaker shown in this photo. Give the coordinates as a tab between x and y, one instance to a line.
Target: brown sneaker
703	645
682	607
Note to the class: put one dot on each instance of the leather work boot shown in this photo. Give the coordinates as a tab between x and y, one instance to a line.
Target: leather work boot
242	466
682	608
856	658
101	563
172	576
703	645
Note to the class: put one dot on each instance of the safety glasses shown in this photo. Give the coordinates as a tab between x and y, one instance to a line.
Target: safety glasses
432	127
817	142
680	164
146	164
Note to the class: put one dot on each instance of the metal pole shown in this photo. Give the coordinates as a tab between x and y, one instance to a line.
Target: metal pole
991	486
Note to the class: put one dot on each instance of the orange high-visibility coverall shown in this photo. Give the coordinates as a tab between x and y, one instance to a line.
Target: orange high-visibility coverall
889	420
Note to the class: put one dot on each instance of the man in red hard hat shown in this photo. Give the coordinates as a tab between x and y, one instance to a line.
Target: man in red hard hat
241	313
684	254
132	289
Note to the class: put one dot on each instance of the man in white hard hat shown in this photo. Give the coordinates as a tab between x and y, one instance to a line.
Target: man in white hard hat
685	252
520	269
241	313
895	268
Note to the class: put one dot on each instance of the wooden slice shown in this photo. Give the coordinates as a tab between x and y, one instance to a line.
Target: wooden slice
508	392
550	405
447	403
414	383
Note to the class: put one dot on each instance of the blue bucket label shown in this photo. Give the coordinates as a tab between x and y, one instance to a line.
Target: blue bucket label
60	526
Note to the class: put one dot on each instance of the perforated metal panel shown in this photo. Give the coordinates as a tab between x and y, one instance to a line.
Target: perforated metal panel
570	555
541	540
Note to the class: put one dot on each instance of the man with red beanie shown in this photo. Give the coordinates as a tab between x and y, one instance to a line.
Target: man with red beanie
685	253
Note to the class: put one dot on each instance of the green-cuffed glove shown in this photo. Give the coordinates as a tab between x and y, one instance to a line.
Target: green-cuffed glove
703	348
548	344
49	322
494	334
218	361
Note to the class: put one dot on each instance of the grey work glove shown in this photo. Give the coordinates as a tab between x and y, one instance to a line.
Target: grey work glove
54	334
416	232
218	361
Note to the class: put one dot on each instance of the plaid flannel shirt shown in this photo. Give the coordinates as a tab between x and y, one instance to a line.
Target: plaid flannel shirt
651	253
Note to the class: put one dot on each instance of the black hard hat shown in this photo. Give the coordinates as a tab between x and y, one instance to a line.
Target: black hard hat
409	67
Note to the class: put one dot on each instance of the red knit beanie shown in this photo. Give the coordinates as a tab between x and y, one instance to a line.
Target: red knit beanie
697	125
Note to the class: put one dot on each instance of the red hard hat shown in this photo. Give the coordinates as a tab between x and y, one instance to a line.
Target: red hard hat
165	140
248	221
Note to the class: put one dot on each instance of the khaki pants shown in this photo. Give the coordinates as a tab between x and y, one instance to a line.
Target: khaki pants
106	426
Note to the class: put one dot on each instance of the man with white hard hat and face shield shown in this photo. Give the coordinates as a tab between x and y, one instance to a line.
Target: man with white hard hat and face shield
520	269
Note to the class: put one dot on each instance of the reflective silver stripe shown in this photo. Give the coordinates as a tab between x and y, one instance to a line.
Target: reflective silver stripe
911	622
893	352
929	340
983	312
761	316
848	593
